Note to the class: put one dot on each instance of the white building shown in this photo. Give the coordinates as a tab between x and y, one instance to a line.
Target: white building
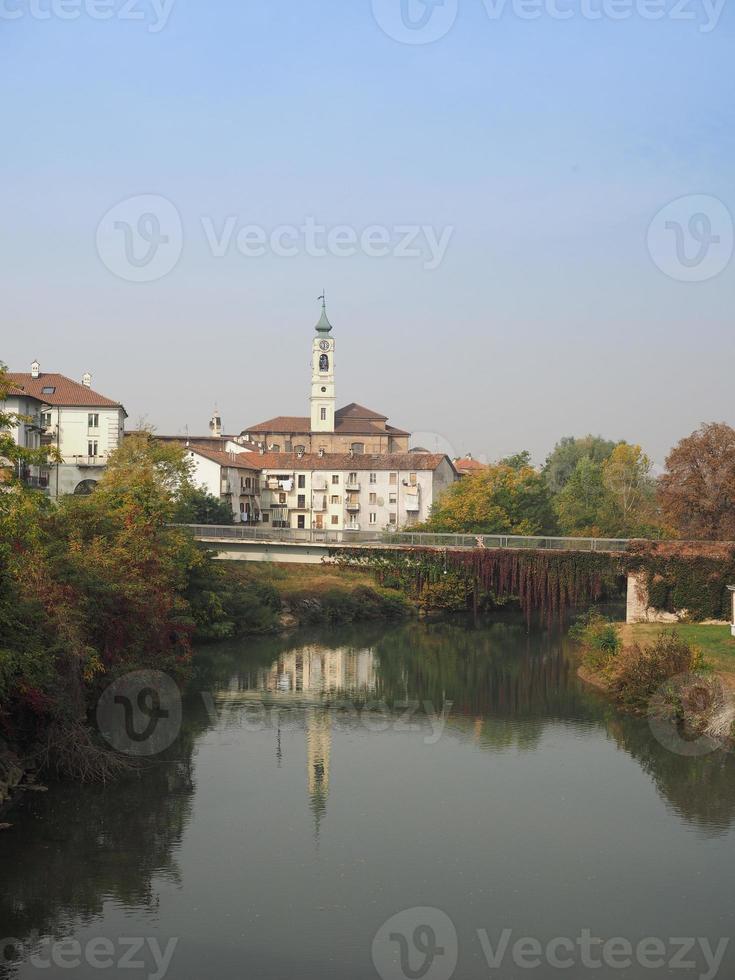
26	429
84	426
231	476
344	492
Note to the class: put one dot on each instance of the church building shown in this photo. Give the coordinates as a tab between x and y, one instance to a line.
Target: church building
327	429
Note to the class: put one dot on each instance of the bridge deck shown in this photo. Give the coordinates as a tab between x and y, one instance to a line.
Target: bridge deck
217	534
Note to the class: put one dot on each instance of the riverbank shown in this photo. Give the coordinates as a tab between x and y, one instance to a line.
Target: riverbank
285	596
687	669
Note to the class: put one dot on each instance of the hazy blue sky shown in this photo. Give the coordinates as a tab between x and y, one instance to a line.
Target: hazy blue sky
545	145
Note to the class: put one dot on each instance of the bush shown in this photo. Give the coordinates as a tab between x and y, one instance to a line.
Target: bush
637	672
450	593
600	637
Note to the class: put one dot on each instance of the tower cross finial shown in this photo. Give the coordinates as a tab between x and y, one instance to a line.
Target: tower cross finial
323	298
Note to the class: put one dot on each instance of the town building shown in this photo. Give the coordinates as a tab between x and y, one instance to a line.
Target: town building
231	476
352	428
84	427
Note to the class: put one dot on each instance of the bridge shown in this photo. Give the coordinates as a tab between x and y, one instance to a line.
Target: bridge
310	546
547	574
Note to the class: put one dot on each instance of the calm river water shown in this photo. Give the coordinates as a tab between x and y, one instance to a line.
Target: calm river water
308	801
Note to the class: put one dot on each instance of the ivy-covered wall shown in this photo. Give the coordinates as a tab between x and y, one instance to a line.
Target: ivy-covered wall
690	576
545	583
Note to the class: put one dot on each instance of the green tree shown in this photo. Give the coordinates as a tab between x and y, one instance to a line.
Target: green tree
580	504
565	455
613	498
195	505
499	499
517	461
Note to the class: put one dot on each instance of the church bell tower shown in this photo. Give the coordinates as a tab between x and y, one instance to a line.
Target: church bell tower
322	375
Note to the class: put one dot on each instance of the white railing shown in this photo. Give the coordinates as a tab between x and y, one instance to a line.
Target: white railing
417	539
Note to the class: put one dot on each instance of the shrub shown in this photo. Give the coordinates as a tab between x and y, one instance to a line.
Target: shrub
600	638
449	593
637	672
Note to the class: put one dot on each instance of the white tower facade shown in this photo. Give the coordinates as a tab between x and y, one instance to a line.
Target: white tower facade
322	376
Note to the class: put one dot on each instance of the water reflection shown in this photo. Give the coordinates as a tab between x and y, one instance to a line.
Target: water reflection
309	726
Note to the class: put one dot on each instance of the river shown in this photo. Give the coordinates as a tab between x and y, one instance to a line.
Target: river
412	801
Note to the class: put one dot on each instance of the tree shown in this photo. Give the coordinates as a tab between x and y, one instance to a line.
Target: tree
195	505
563	459
580	503
497	500
697	491
630	493
517	461
614	498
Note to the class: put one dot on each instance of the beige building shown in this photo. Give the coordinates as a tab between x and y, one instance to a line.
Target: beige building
84	426
351	492
327	428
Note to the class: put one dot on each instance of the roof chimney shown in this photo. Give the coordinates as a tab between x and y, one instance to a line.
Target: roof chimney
87	379
35	369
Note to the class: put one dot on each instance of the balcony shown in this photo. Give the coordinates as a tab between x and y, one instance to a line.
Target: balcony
353	505
353	485
87	460
251	490
412	503
319	502
352	526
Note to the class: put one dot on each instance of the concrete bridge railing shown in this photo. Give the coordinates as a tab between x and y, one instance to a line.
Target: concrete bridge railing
416	539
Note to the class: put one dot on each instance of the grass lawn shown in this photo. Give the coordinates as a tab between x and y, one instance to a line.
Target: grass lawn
289	577
715	642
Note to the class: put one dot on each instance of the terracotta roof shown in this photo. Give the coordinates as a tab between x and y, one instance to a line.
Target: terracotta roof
343	461
240	461
347	424
66	392
355	411
283	424
468	465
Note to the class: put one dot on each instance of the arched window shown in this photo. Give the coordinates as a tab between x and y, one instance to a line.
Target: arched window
323	362
358	448
299	449
85	487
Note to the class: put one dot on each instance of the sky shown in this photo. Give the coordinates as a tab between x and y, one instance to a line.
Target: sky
520	210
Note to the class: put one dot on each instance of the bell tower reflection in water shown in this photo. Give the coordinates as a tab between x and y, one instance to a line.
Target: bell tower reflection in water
318	750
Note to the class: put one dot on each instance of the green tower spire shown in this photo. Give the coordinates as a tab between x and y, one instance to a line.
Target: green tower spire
324	326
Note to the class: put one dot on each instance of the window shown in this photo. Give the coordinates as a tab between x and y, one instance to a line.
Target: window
373	498
92	447
265	516
48	390
392	498
334	498
323	362
46	420
412	479
393	479
301	502
391	518
358	448
302	481
335	479
281	498
373	478
335	518
352	478
373	518
288	446
93	420
301	520
275	447
323	414
299	449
